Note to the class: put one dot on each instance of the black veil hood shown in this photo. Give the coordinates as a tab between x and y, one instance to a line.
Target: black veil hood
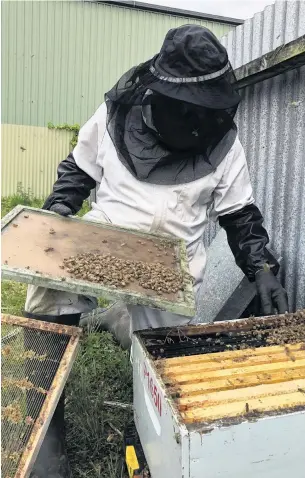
175	129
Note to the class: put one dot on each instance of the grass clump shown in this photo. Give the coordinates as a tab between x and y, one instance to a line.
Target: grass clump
13	296
23	197
94	435
26	198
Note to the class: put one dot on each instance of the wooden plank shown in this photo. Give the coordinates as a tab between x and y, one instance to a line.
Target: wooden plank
284	58
194	331
239	355
242	372
242	408
227	396
199	388
41	325
180	303
229	364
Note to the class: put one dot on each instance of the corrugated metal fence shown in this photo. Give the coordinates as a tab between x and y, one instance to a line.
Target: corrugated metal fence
271	121
30	156
60	57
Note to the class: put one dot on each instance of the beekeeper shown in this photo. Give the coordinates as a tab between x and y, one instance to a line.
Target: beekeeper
164	151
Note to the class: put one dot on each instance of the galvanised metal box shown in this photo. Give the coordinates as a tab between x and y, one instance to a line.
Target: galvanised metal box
221	400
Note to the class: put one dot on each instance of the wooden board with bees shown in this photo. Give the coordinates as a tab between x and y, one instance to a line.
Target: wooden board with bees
96	259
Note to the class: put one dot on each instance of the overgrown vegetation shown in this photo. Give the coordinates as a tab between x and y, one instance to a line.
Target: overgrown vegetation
22	196
26	198
73	128
102	372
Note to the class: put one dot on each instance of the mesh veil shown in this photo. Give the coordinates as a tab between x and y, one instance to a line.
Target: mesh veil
170	133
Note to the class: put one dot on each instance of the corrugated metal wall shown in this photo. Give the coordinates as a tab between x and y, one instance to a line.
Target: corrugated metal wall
271	122
30	156
59	57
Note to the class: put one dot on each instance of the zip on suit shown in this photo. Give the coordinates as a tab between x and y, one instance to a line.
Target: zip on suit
180	210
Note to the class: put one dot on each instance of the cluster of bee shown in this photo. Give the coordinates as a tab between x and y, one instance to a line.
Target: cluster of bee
288	329
110	270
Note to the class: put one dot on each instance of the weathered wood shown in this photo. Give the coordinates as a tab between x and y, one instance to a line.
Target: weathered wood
239	371
245	408
236	382
228	396
237	355
216	386
41	325
228	364
124	406
284	58
42	423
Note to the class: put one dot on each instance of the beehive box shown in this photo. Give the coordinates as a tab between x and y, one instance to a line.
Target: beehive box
36	245
222	400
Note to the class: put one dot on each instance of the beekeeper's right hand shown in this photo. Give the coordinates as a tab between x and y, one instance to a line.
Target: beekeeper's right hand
61	209
72	187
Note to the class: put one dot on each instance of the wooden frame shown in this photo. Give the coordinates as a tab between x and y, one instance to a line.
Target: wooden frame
41	425
183	305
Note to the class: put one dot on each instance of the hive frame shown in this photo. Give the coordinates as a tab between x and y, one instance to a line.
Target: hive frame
40	428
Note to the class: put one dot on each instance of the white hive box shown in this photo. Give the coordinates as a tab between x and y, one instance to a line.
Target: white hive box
226	414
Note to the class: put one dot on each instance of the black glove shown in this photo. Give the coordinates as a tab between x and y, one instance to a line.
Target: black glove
272	295
247	239
61	209
72	187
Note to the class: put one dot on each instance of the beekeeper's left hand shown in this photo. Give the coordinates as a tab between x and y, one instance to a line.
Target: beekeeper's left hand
272	294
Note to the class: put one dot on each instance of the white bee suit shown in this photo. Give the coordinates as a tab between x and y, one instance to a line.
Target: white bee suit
178	210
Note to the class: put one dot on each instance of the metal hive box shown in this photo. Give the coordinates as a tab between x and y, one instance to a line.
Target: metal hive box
225	400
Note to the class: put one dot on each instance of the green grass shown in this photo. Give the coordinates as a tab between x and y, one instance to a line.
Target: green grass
101	372
27	199
13	297
23	197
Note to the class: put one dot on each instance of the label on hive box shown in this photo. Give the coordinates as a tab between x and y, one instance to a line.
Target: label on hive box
152	389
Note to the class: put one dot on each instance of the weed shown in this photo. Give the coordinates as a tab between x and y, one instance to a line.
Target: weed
101	372
13	296
86	208
74	128
26	198
22	196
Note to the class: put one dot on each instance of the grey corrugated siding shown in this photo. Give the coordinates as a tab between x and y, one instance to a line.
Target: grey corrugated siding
271	121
